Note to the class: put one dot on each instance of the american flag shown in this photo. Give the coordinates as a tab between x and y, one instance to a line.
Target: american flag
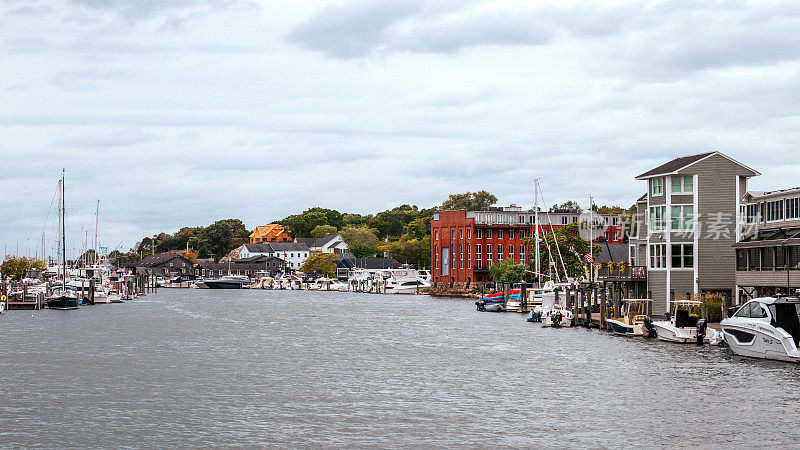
589	258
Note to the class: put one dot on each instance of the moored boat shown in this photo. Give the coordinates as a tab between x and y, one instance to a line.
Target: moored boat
633	321
767	328
683	326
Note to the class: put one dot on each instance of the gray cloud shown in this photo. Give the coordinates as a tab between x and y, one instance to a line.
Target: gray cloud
182	113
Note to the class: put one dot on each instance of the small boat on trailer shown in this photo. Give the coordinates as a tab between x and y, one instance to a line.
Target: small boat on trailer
767	328
634	320
682	327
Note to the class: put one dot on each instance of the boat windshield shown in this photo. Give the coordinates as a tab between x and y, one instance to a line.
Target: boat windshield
787	317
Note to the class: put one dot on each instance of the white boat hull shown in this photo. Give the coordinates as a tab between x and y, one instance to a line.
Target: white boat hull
670	333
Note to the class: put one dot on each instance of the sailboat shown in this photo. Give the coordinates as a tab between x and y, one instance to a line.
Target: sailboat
62	297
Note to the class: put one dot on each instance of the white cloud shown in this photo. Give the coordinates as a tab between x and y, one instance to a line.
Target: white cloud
182	113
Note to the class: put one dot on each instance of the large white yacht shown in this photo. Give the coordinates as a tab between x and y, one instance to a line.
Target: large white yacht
767	327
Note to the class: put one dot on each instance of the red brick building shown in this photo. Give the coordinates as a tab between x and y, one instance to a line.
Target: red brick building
465	243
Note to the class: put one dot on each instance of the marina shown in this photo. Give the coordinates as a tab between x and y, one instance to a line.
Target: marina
174	368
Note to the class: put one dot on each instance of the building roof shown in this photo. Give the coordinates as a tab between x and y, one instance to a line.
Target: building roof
612	252
677	164
233	267
288	246
161	258
674	165
257	259
757	194
262	230
643	198
317	242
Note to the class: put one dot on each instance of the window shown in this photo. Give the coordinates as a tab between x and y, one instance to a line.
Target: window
774	210
657	186
522	234
437	235
488	254
469	255
461	234
564	219
794	257
460	256
522	254
469	234
682	256
793	208
499	252
511	252
453	234
436	250
488	234
632	255
683	217
479	233
499	234
478	256
658	220
752	213
682	184
658	256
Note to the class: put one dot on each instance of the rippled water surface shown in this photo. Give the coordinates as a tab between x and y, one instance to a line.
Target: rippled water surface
187	367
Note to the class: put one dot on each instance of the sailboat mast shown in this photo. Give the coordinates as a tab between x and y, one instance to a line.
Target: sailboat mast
63	230
96	225
536	229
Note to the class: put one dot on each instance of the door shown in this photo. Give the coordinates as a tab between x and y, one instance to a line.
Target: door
445	261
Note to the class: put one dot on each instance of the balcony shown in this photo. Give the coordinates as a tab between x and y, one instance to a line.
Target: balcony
621	272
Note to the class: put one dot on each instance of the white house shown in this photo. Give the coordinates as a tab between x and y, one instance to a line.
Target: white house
294	253
332	243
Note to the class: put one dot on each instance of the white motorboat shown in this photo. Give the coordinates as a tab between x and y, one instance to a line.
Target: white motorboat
682	327
557	316
403	281
767	327
633	320
332	284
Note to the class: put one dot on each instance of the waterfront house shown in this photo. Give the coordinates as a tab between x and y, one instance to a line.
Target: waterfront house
293	253
465	243
165	264
273	232
331	243
688	226
768	253
251	267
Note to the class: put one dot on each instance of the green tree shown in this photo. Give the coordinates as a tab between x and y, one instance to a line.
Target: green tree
508	272
15	267
121	259
393	222
415	252
323	230
301	225
572	247
568	206
471	201
361	241
318	262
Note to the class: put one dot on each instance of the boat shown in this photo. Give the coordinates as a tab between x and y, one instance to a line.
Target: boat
682	327
492	303
632	321
332	284
767	327
226	282
556	316
62	298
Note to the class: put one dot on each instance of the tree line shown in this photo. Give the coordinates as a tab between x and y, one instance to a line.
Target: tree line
403	232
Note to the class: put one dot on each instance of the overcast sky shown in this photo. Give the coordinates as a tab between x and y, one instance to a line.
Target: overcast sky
182	112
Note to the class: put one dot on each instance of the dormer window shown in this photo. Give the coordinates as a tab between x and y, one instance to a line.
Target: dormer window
657	186
683	184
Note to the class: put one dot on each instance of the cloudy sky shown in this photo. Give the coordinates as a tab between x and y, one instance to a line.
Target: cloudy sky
183	112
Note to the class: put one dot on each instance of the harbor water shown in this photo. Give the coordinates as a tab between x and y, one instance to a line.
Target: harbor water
189	368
